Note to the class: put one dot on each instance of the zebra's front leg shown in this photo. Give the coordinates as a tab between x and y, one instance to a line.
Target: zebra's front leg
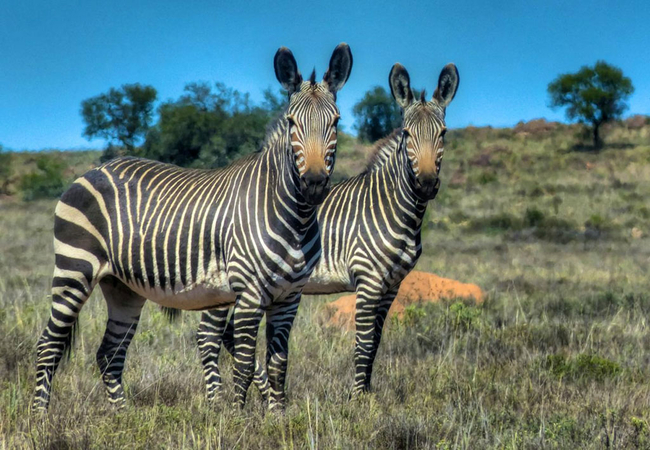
371	310
260	377
279	320
209	338
124	308
247	315
380	318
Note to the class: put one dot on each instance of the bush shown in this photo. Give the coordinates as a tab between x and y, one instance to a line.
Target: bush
463	317
497	222
533	217
584	366
48	181
6	170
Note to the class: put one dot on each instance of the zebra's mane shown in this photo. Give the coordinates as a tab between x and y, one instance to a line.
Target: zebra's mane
274	129
381	151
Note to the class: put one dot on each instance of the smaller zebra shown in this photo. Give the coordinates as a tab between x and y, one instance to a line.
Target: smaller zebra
371	224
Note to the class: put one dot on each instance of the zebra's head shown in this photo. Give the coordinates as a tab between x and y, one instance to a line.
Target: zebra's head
312	117
423	125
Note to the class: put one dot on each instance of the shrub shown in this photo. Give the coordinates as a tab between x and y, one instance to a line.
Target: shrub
6	170
595	367
498	222
412	315
487	177
48	181
583	366
463	317
533	217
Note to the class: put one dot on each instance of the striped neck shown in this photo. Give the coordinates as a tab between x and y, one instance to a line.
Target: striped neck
283	173
397	173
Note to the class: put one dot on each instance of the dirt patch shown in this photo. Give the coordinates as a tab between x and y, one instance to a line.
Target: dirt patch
535	127
637	122
417	287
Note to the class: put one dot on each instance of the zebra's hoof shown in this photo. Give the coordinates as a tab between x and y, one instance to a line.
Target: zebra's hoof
117	402
276	408
358	394
216	404
39	411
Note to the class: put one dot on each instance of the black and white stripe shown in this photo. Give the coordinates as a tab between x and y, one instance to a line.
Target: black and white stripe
196	239
371	224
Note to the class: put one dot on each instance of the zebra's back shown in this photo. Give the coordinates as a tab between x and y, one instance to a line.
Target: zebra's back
162	230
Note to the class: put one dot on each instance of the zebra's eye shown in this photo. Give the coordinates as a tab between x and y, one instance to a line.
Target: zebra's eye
335	121
442	133
290	119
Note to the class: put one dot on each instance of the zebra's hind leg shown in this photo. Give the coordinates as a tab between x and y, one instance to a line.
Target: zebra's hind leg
247	317
124	307
371	310
279	320
209	338
72	284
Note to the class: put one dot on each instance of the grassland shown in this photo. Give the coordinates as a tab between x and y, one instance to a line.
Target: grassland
557	357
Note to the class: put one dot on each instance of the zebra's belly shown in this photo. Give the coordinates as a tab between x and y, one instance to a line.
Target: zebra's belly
197	297
328	281
207	293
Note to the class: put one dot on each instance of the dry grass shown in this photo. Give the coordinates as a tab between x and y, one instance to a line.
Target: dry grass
557	356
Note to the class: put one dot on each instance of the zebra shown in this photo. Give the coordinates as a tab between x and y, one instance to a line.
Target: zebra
371	223
244	235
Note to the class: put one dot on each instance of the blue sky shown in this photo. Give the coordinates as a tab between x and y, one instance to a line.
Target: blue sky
54	54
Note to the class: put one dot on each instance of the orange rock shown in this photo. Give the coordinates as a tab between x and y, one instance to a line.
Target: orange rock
417	287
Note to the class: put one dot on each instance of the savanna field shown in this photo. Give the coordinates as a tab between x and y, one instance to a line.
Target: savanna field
558	355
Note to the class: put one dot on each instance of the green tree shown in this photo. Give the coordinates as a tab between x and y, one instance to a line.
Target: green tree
120	115
210	127
377	115
47	181
593	95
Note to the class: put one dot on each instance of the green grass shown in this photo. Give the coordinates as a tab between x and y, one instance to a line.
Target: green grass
556	357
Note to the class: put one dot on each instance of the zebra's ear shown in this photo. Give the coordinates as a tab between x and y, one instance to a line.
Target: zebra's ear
400	85
340	67
286	70
447	85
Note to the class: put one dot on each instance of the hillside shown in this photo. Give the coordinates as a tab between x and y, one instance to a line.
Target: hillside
556	235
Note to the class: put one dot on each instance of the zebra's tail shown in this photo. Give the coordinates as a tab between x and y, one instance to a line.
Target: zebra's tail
171	314
70	340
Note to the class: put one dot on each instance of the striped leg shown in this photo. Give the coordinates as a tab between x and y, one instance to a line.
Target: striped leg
124	307
247	317
71	287
209	337
380	319
371	310
260	377
279	320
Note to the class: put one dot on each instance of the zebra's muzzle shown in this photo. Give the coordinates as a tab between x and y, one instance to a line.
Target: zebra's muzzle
314	187
427	188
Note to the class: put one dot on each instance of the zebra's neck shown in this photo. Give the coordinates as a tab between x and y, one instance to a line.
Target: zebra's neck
283	173
397	173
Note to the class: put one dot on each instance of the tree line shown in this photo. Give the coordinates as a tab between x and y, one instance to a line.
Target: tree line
210	124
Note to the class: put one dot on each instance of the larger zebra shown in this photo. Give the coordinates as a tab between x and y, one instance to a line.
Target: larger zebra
371	223
194	239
